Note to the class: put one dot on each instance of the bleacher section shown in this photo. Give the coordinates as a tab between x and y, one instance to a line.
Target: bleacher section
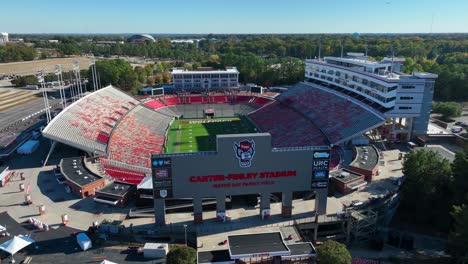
339	117
125	133
155	104
260	101
287	127
88	122
123	172
140	134
193	106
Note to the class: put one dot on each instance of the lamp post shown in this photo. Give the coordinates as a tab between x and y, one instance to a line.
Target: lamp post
185	231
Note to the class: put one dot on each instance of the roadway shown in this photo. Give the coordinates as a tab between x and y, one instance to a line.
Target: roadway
19	112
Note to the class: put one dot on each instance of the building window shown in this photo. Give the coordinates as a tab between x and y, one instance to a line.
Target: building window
408	87
406	98
404	107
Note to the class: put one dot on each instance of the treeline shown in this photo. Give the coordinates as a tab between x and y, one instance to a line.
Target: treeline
17	52
266	59
434	196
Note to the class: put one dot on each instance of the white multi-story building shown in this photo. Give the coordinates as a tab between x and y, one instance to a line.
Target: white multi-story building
3	38
405	100
205	79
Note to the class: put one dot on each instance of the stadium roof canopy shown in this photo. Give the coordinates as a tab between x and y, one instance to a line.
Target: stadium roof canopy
141	38
84	123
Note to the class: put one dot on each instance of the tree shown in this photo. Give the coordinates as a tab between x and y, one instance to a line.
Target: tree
25	80
182	255
459	234
460	177
332	252
447	109
116	72
426	193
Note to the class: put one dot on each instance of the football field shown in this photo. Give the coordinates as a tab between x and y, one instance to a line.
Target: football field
193	135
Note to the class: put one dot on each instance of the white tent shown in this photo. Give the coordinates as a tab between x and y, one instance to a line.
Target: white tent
84	241
16	244
108	262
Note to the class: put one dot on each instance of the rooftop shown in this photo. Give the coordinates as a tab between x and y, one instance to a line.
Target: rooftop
345	176
367	157
214	256
116	188
302	249
361	62
241	246
183	71
439	149
379	68
74	170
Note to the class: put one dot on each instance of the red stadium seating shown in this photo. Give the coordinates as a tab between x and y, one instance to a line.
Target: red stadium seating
337	116
242	99
287	127
219	99
138	135
103	137
171	101
194	100
122	174
261	101
155	104
336	157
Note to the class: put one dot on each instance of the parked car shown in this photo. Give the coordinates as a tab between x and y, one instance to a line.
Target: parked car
356	203
457	129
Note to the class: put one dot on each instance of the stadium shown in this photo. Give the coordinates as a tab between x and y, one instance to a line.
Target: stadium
212	145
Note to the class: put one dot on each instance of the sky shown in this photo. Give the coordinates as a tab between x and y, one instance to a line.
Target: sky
233	16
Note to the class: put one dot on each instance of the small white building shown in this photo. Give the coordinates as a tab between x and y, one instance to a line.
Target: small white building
3	38
205	78
155	250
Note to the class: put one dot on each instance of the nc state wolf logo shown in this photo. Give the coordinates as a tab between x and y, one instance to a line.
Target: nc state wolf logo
245	151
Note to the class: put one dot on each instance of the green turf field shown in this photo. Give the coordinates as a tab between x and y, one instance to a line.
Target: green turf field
193	135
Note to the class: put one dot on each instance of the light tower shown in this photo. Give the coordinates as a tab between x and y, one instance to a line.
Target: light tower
58	72
40	79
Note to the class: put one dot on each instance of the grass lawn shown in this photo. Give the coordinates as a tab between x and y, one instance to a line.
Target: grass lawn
193	135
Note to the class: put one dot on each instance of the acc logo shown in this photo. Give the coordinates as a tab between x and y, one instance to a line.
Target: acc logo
163	193
320	174
245	151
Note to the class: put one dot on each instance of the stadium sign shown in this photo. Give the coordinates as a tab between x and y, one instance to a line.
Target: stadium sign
321	174
242	164
319	184
245	151
321	165
321	161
